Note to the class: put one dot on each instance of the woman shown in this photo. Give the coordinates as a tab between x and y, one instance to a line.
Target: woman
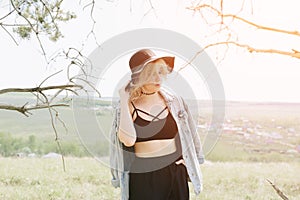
161	148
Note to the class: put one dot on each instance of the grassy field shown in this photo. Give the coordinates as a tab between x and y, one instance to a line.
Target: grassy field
86	178
260	141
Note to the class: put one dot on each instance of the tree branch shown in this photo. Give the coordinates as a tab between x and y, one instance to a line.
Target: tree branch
219	13
278	191
49	77
92	32
10	35
56	135
32	28
93	87
294	53
9	13
26	108
38	89
42	18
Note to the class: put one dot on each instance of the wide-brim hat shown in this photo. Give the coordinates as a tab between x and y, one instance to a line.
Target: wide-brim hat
142	57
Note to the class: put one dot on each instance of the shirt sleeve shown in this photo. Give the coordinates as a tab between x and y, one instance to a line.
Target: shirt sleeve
114	151
196	138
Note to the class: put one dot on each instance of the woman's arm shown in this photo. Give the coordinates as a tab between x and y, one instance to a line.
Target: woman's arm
126	133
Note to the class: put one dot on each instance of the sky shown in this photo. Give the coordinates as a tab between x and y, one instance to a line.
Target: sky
245	76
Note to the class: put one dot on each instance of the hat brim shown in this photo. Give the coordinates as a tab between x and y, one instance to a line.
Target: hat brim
168	59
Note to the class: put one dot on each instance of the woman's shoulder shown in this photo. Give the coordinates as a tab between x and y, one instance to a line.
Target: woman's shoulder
168	93
171	96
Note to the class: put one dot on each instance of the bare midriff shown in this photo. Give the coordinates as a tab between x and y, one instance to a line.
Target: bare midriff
155	148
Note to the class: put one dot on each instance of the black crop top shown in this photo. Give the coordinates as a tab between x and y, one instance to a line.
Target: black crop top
146	130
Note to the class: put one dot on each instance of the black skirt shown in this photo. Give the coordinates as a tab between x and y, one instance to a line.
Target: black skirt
169	182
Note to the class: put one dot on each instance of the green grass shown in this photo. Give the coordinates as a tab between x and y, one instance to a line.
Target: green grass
86	178
239	167
43	179
231	149
247	180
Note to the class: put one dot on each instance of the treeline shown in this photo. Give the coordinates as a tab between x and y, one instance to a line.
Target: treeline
12	146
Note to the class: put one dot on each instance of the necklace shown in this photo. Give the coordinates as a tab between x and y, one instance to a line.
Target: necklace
148	93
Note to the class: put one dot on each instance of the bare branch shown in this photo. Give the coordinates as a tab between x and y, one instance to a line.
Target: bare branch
150	9
278	191
78	65
38	89
49	77
7	14
221	2
56	138
46	106
12	37
79	54
50	108
42	17
13	24
26	108
197	8
93	87
294	53
59	119
59	91
92	32
296	33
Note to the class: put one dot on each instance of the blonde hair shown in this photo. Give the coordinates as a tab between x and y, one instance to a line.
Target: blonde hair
146	76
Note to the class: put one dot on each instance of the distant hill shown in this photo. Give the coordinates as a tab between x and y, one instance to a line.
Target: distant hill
39	122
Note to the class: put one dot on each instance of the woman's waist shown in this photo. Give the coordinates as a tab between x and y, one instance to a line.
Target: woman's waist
147	164
155	148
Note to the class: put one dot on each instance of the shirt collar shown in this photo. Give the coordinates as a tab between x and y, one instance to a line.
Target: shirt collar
168	96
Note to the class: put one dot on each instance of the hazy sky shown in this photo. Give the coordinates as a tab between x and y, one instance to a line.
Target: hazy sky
245	76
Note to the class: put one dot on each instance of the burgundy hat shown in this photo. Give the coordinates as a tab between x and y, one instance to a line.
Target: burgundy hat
145	56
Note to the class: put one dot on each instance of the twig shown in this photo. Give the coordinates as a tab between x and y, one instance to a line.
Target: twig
25	109
10	35
278	191
92	32
87	82
32	28
38	89
52	18
150	9
49	77
57	139
50	107
197	8
293	53
7	14
60	120
13	24
61	90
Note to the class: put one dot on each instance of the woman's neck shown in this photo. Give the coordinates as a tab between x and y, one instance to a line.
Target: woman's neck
149	93
153	97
